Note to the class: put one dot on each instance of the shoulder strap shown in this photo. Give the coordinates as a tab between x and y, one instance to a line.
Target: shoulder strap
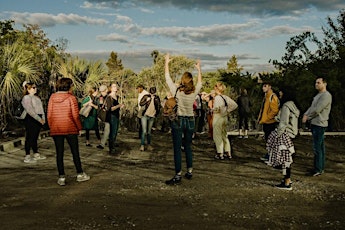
105	102
176	92
226	104
271	97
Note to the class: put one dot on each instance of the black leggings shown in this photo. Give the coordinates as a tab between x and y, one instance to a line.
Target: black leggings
87	134
32	131
288	173
243	120
72	141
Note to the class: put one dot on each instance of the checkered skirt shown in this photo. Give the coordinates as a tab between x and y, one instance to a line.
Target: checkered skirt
280	149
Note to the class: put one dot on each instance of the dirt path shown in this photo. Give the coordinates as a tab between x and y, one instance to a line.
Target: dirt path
128	191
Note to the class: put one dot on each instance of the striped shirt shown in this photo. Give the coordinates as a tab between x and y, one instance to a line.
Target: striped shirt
184	101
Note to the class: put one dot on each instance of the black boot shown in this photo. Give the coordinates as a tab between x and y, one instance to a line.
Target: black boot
111	148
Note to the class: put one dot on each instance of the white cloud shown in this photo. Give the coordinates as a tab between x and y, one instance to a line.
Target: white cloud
113	37
49	20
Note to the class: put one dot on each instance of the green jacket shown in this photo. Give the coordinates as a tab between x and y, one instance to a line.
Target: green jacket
90	122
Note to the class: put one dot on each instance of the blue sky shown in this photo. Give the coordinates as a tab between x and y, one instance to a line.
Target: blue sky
211	30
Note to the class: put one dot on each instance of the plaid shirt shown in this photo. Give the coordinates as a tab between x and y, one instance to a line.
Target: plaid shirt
280	149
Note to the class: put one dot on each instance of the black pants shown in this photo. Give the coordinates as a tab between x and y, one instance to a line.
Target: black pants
268	128
87	134
72	140
243	122
32	131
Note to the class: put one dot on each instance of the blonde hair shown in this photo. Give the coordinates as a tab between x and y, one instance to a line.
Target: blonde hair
220	87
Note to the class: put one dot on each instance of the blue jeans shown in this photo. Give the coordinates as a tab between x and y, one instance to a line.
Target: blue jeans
114	127
319	147
73	143
146	126
183	126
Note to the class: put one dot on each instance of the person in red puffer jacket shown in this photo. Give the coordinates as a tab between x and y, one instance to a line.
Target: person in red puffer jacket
64	123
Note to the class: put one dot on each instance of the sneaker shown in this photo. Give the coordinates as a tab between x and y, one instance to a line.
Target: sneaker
265	157
174	181
149	148
61	181
38	156
283	181
188	175
142	147
245	137
269	163
83	177
28	159
89	145
283	186
100	147
240	137
317	174
219	157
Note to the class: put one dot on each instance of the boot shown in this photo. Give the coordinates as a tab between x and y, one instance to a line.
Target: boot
111	148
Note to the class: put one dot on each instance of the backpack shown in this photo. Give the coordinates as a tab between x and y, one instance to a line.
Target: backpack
19	112
170	108
230	105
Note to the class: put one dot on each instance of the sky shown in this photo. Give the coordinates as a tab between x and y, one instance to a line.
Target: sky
255	31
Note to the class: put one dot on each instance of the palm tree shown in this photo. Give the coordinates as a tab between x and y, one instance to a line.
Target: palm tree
17	65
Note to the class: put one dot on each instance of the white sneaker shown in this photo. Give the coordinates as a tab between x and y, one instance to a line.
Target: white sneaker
61	181
83	177
28	159
38	156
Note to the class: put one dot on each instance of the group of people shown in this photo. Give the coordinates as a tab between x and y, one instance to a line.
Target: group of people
278	117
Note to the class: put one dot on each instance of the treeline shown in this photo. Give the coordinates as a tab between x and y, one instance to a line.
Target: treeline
29	55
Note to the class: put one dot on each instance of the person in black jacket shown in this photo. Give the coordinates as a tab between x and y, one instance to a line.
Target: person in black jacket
243	112
151	104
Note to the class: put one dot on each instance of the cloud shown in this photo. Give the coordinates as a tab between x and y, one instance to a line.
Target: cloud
263	7
113	37
49	20
205	35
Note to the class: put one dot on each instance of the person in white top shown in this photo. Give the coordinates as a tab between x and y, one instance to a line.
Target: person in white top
151	104
34	120
185	122
141	92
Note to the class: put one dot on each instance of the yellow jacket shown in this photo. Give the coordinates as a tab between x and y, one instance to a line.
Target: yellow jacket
269	109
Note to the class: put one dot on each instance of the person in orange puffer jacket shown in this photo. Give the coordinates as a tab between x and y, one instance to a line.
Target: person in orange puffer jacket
269	109
64	123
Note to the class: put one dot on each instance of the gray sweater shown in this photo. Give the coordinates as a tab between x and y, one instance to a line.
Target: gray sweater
288	119
318	112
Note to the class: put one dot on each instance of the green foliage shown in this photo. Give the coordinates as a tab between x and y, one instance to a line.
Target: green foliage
300	66
29	55
114	64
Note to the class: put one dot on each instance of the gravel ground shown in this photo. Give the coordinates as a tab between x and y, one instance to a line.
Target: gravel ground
127	191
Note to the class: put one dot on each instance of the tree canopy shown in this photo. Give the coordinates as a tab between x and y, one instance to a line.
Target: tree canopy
29	55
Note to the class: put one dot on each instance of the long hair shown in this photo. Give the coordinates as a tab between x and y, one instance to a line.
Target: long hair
187	84
288	95
27	86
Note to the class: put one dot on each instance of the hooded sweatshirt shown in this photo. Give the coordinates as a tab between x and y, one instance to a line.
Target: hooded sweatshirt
63	114
288	119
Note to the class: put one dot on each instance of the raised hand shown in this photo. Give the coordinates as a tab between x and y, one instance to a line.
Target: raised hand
197	64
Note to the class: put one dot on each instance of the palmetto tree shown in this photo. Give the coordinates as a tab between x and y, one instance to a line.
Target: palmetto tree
17	64
84	74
